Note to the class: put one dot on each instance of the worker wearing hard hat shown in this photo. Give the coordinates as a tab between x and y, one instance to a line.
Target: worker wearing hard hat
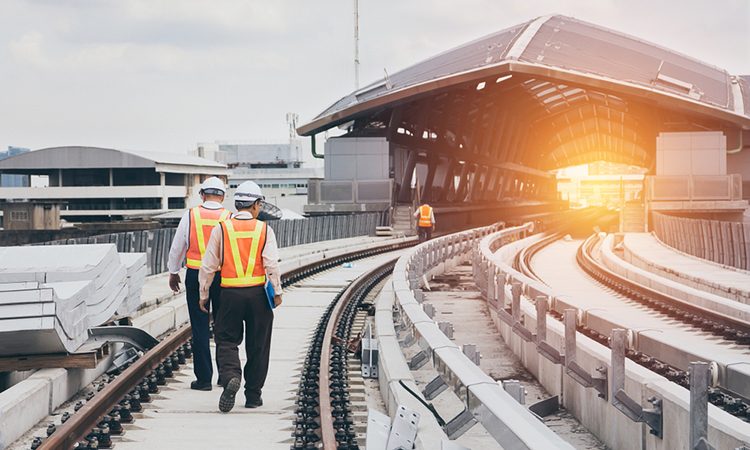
245	251
189	244
425	222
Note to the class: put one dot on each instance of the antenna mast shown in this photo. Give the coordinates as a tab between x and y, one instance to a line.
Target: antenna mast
356	44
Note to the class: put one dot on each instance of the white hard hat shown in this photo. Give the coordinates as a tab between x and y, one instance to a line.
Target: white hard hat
213	184
248	191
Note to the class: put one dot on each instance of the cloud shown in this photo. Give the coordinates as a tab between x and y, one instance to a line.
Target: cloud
167	73
29	49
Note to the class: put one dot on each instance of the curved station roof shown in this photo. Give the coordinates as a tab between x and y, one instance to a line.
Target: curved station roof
551	92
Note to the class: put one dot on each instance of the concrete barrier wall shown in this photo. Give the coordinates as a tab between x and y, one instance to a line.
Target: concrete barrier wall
722	242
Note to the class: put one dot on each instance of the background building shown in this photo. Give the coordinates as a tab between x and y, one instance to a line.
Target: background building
282	170
30	215
95	184
7	180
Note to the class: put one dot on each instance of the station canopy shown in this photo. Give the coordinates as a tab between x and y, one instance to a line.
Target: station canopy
548	93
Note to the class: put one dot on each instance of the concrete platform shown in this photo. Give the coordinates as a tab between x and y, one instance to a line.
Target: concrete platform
182	418
645	251
160	311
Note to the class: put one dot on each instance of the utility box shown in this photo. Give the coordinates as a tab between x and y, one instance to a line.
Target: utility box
357	177
691	153
358	158
31	216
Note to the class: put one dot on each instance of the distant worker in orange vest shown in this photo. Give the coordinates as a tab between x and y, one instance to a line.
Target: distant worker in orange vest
425	222
244	249
189	244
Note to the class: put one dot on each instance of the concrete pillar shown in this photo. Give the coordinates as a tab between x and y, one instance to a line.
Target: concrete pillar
162	184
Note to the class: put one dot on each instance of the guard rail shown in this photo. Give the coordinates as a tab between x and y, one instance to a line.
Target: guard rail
509	422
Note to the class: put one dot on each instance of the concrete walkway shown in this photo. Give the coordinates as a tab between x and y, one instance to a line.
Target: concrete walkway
645	251
161	311
186	419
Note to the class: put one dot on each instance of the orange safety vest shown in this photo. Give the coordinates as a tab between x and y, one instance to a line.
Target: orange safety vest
202	220
425	216
243	244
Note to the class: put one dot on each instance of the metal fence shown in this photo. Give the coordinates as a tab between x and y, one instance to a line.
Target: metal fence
726	243
156	243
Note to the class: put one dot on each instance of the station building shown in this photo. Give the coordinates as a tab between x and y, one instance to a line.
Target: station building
95	184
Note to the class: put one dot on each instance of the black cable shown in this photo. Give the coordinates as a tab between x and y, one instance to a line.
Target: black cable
429	406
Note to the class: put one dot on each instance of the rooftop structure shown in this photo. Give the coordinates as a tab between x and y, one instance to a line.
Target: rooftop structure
96	183
486	121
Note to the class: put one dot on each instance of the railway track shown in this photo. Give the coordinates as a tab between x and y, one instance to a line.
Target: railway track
727	329
323	413
94	423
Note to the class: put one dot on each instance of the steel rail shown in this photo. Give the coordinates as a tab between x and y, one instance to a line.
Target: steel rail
88	417
327	431
657	300
75	429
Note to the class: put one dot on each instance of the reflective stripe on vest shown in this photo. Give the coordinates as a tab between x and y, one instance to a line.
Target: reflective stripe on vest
243	244
202	221
425	216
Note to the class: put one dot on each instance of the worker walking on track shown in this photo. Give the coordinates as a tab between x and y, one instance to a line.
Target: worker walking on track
189	244
425	222
244	249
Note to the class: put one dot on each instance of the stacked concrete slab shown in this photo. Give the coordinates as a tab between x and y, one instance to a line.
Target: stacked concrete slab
50	296
137	269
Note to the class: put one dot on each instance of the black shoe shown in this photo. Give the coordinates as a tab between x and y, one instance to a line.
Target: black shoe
253	403
195	385
226	401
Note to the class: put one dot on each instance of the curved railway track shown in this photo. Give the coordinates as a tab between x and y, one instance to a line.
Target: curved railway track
323	413
726	328
96	421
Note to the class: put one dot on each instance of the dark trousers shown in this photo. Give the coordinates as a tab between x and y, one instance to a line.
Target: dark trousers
248	307
202	365
424	233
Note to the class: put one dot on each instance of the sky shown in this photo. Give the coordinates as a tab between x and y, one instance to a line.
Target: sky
163	75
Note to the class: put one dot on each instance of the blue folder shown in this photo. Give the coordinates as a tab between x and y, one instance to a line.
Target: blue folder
270	294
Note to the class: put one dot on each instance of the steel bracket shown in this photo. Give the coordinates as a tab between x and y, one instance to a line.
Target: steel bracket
582	377
549	352
419	360
516	390
369	356
434	388
544	408
503	315
409	339
521	331
651	416
403	432
460	424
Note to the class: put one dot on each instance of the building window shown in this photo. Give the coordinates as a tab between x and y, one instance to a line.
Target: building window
19	216
176	203
175	179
